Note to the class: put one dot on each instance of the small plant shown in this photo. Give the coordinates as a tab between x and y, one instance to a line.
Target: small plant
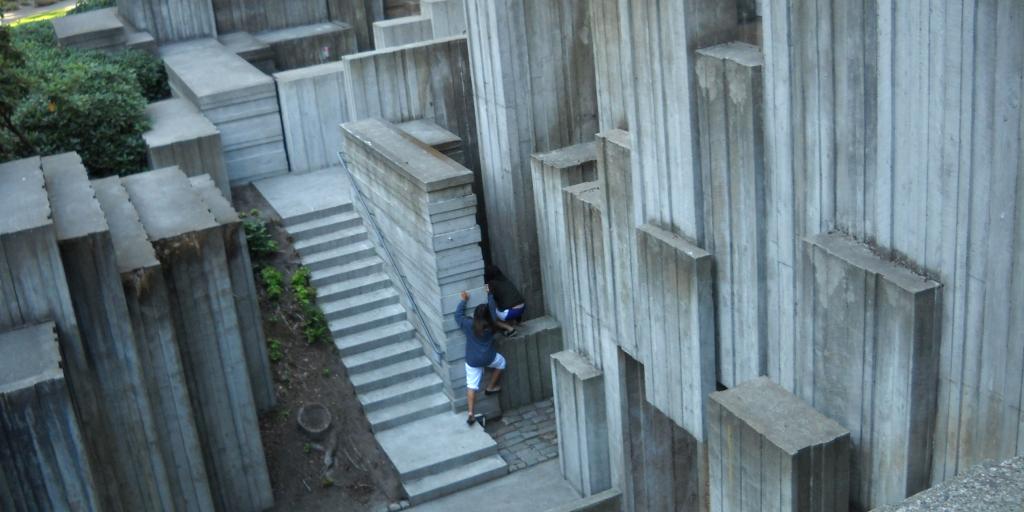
283	414
307	448
257	236
326	482
315	328
327	373
273	282
275	351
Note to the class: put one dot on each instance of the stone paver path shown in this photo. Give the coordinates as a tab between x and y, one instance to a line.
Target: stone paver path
526	436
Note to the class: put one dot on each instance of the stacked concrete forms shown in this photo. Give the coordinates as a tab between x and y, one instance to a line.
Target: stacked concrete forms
308	45
447	17
146	294
732	156
770	451
615	176
401	31
100	29
987	486
586	283
444	141
533	72
612	63
254	51
190	246
313	105
134	476
170	20
425	208
868	359
43	463
528	376
180	136
360	14
552	172
264	15
242	103
581	422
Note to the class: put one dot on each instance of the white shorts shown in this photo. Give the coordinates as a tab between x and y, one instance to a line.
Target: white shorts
474	375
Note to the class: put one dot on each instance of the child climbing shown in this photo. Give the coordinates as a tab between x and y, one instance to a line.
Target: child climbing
506	303
480	353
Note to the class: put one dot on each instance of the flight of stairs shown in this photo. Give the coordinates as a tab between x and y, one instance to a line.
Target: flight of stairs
432	448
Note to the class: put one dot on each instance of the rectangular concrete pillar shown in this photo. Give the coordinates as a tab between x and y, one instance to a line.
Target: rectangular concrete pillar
146	294
447	17
312	107
360	14
675	326
528	377
180	135
533	73
868	359
433	135
589	308
190	246
401	31
43	462
552	172
126	465
613	63
580	419
770	451
730	105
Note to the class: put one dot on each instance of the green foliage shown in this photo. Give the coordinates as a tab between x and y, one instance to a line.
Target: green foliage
273	282
275	351
315	328
90	5
327	373
257	235
306	448
13	87
148	71
304	293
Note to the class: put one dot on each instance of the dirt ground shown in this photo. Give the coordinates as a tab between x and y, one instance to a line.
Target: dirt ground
362	477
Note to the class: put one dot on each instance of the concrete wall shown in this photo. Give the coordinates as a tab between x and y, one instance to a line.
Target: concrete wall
360	14
263	15
586	326
615	175
313	105
612	62
447	17
170	20
527	379
581	423
180	136
533	76
401	31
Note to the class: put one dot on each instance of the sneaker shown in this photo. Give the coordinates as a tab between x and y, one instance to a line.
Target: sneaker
481	419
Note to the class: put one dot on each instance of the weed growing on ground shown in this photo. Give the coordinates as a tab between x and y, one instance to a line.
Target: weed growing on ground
257	235
273	282
315	327
275	351
306	448
327	373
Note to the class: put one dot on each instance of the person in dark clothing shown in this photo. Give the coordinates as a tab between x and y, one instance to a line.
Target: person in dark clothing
480	353
506	303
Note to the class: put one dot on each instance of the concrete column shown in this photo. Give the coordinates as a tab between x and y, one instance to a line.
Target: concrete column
43	462
612	63
360	14
313	105
146	294
770	451
190	246
126	465
401	31
732	156
868	359
580	419
179	135
447	17
533	74
588	306
528	377
552	172
433	135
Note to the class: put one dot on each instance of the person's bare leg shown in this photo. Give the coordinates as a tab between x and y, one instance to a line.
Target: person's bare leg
470	398
504	326
495	377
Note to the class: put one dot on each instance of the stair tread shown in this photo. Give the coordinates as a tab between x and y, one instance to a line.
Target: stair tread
335	218
367	316
376	333
332	252
408	407
377	395
450	438
296	219
477	472
389	350
386	372
363	262
349	284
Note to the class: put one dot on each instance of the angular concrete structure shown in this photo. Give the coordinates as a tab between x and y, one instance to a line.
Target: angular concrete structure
401	31
447	17
987	486
181	136
360	14
132	474
868	359
170	20
99	29
589	310
146	294
313	105
309	45
433	135
581	422
528	376
190	246
43	463
612	62
770	451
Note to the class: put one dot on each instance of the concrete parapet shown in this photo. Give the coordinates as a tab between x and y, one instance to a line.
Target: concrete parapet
868	358
313	105
181	136
528	377
401	31
730	105
588	306
309	45
433	135
170	20
43	461
770	451
249	16
190	246
675	326
581	422
447	17
98	29
552	172
254	51
133	473
986	487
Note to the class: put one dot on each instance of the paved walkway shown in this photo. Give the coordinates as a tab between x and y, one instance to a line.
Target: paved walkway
526	436
27	11
536	489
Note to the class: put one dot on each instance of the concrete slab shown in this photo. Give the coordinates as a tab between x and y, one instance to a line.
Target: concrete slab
536	488
986	487
98	28
431	134
427	168
452	443
32	355
156	194
192	63
180	135
307	45
23	195
313	106
401	31
301	194
581	421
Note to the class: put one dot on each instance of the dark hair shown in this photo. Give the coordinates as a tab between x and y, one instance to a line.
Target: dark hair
492	273
482	320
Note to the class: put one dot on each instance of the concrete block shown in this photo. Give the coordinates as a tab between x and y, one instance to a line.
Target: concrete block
254	51
98	29
401	31
433	135
181	136
675	326
170	20
43	462
987	486
613	63
134	475
768	450
868	359
447	17
581	422
528	377
730	106
590	313
308	45
241	15
313	105
360	14
604	501
190	246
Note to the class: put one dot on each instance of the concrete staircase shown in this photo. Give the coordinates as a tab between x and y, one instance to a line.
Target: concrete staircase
432	448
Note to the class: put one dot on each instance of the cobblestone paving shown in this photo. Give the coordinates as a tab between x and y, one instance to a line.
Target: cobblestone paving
526	436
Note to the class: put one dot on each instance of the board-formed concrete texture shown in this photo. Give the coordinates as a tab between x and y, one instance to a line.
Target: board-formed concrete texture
540	51
729	109
675	326
581	422
868	359
770	451
424	206
987	486
98	29
360	14
241	103
146	294
170	20
264	15
527	378
129	470
181	136
243	289
589	311
308	45
552	172
433	135
447	17
401	31
604	501
313	105
612	63
254	51
43	463
190	246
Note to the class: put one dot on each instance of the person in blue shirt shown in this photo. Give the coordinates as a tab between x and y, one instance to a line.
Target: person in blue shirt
480	353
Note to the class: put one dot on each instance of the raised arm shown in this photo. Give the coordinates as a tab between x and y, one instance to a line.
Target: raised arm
460	312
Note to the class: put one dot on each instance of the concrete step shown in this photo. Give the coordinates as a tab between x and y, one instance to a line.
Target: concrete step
324	225
367	263
383	356
456	479
333	240
318	214
391	374
374	338
338	255
435	444
408	411
360	303
350	288
396	394
367	320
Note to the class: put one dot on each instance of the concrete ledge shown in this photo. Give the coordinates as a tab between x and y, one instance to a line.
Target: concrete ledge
615	175
313	105
581	421
604	501
586	287
401	31
181	136
986	487
528	378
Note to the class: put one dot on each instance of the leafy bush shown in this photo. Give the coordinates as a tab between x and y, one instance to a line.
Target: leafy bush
148	71
273	282
257	236
315	327
90	5
275	351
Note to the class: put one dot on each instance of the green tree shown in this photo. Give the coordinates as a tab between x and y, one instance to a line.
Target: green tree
13	88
